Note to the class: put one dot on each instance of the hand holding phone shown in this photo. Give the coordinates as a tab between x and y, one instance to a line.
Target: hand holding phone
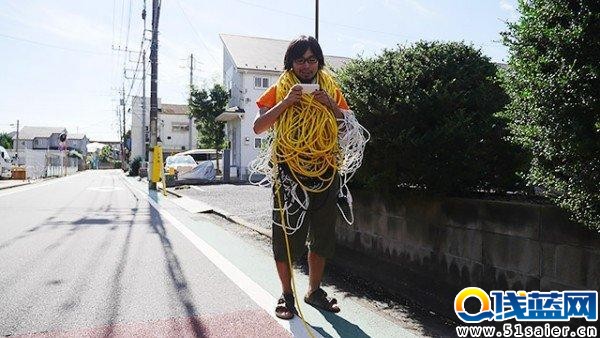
309	88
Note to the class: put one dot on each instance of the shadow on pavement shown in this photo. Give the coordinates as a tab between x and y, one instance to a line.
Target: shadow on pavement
343	327
423	322
176	274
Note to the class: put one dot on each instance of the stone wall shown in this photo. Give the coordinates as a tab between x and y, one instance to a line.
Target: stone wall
445	244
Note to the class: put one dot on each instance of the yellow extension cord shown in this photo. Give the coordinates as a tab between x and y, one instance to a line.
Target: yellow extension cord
306	139
306	135
289	258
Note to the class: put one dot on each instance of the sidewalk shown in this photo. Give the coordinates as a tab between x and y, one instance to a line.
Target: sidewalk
254	261
244	204
5	184
251	206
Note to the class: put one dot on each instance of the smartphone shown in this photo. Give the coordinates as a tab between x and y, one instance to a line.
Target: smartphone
309	88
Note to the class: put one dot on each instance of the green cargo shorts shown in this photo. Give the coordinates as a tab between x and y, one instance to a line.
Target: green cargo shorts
318	226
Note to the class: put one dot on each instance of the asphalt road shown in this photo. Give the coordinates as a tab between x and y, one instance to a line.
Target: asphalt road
88	254
94	254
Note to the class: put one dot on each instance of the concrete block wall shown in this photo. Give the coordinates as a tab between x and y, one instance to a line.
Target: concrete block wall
450	243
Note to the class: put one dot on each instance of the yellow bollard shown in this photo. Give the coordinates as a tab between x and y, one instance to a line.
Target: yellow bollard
157	164
158	172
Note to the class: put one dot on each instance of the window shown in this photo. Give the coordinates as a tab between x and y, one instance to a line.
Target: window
180	127
258	143
261	82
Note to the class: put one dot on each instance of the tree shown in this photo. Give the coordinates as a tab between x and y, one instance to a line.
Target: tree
430	110
106	154
205	106
6	141
127	141
553	82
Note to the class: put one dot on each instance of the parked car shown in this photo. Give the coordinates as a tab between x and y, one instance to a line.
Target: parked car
201	155
205	171
5	163
181	163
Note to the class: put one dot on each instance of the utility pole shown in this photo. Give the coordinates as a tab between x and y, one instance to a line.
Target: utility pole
153	83
317	20
144	131
123	158
17	146
191	84
122	129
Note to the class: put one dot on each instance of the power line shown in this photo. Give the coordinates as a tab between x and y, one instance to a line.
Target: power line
121	26
112	40
135	75
323	21
492	43
197	35
52	46
128	27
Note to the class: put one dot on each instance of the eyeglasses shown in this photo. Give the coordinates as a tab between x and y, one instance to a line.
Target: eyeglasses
310	60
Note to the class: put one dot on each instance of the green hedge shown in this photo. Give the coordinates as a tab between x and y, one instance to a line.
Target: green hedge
430	110
134	166
554	85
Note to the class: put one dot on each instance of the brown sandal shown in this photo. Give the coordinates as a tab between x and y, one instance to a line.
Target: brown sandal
318	299
285	308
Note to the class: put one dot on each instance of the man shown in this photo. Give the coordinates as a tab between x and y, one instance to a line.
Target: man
315	213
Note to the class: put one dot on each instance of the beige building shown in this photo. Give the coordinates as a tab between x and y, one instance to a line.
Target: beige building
173	127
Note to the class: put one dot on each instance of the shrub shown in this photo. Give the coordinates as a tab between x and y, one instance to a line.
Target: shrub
553	82
430	110
134	167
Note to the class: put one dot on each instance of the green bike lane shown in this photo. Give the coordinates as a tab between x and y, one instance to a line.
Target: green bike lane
254	272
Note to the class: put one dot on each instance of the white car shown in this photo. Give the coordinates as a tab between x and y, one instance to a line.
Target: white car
5	163
205	171
202	155
181	163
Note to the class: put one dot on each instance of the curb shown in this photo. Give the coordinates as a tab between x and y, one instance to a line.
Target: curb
232	218
15	185
37	180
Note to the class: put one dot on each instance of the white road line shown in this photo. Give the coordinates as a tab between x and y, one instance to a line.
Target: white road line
259	295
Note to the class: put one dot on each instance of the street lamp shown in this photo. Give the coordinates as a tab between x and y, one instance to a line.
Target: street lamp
16	144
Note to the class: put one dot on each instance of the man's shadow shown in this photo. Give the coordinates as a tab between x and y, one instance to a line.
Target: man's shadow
343	327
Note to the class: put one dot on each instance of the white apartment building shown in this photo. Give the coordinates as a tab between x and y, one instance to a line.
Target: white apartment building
250	66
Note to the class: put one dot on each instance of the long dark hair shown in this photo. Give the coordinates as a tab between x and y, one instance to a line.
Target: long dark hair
298	47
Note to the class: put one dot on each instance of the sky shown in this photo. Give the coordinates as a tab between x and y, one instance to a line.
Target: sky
62	61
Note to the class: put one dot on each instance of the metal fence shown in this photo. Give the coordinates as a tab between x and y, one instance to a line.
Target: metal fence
40	163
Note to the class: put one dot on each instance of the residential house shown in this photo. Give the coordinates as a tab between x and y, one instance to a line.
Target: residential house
78	142
43	138
250	66
173	127
39	149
